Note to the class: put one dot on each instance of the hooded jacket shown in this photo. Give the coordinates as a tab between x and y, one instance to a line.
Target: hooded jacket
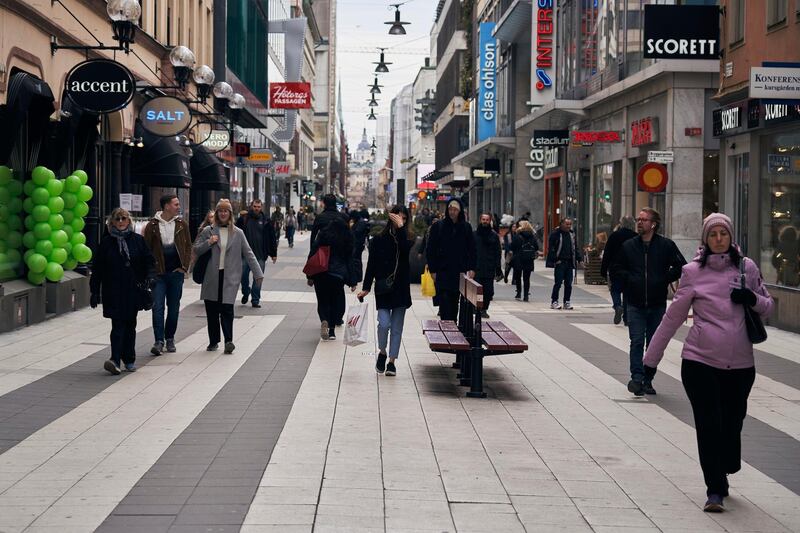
487	246
159	233
718	336
451	250
260	234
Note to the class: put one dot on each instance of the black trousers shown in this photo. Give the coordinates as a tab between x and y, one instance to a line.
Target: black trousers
330	298
522	281
123	341
719	403
219	314
488	290
448	304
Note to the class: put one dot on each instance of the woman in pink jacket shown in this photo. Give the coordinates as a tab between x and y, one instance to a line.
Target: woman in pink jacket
718	368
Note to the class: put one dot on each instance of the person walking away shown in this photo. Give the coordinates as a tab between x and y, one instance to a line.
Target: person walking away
487	259
291	226
625	231
301	220
122	267
563	255
646	265
167	237
277	221
388	260
717	368
329	285
359	227
329	213
450	252
229	250
508	238
262	241
524	251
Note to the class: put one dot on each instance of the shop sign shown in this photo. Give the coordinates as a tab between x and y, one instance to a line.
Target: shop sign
660	156
242	149
260	155
782	83
291	95
644	131
779	164
282	169
100	86
681	32
217	141
652	177
543	80
587	138
693	132
487	89
727	119
536	163
165	116
551	157
774	113
550	138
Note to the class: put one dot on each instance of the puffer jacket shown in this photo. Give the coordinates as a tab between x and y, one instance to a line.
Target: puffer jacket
718	336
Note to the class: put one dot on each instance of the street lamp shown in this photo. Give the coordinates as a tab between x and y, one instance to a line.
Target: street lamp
371	115
204	80
373	102
182	60
375	88
383	66
124	15
397	25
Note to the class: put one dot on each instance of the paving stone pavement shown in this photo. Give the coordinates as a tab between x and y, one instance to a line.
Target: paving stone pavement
291	433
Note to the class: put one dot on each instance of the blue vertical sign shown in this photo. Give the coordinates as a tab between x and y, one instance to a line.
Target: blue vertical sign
487	84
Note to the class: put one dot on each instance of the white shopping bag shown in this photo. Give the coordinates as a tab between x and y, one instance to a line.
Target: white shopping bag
356	325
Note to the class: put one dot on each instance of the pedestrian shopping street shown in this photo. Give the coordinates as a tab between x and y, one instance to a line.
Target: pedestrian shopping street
290	433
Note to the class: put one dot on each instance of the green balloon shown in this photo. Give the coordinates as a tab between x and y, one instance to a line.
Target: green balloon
70	200
36	263
28	253
56	221
28	205
42	231
68	215
5	214
55	187
5	195
70	263
81	209
58	256
14	257
82	253
84	177
3	230
72	184
53	271
35	278
59	238
3	247
14	239
68	248
41	213
29	223
15	206
14	188
41	175
15	223
40	196
44	247
55	204
85	193
68	230
29	240
4	262
5	175
77	224
28	187
78	238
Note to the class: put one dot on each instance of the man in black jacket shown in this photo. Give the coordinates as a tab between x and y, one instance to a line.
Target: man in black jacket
329	213
563	255
450	252
261	238
487	245
613	246
646	265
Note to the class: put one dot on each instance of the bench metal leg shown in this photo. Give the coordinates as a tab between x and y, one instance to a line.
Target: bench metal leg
476	385
465	376
457	363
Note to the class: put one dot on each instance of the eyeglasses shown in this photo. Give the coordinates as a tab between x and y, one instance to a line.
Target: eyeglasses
644	220
120	219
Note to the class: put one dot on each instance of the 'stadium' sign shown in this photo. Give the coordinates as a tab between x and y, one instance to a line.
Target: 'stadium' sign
681	32
165	116
550	138
100	86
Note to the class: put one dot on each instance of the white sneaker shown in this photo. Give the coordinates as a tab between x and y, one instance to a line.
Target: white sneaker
555	305
568	306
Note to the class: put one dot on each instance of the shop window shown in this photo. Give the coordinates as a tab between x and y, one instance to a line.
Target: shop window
736	16
776	12
780	209
604	202
710	183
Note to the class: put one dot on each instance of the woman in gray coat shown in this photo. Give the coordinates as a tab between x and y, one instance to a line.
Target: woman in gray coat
228	247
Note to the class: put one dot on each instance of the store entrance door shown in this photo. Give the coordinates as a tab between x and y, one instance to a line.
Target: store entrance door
552	204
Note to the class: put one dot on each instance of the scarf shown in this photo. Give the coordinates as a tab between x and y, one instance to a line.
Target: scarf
121	242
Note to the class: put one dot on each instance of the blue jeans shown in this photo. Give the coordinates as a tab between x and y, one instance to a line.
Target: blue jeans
290	235
618	297
642	325
564	273
168	289
254	290
391	320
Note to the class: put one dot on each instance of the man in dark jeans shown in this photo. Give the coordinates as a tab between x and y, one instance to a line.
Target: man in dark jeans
614	244
262	240
167	236
646	265
563	255
487	245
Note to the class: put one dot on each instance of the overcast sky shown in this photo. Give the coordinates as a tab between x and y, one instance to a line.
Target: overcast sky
360	29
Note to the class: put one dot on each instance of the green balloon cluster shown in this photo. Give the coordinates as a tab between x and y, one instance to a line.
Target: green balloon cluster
10	225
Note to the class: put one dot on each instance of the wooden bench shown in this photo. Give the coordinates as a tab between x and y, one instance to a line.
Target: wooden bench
471	340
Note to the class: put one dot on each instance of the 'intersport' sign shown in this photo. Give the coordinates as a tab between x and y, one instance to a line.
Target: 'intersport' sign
487	93
681	32
781	83
100	86
543	45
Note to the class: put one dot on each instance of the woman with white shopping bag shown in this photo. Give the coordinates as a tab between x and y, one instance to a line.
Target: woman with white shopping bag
388	268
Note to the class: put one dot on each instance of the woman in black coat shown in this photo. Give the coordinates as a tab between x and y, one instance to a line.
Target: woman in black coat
329	285
524	251
388	259
121	270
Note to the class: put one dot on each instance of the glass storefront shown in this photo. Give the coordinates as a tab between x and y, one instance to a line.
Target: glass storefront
780	208
606	198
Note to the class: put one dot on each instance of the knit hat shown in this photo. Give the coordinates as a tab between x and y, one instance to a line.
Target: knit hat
716	219
454	203
224	203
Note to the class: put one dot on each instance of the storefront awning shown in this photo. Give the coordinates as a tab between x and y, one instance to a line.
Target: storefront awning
161	163
208	173
484	150
27	97
515	22
555	115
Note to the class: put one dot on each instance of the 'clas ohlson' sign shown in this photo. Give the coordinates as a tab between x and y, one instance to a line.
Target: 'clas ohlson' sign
487	94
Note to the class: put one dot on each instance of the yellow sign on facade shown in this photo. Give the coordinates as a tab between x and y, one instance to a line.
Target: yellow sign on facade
260	155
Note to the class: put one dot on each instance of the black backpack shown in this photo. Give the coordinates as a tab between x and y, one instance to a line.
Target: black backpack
528	252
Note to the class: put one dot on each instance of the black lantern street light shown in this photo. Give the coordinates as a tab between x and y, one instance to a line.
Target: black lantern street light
373	146
124	15
375	88
383	66
373	102
397	25
371	115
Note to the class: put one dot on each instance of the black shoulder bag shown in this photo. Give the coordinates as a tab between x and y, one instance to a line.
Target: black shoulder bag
386	285
756	331
200	267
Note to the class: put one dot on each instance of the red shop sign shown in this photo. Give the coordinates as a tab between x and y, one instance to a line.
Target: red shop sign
644	131
589	137
294	95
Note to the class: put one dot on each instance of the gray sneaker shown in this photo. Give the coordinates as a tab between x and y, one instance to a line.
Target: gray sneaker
171	345
229	347
111	367
324	331
568	306
157	348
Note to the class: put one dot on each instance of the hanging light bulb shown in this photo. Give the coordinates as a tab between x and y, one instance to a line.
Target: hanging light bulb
373	144
183	61
371	115
383	66
373	102
237	101
375	88
223	90
397	25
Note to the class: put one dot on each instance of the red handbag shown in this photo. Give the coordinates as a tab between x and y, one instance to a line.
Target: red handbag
318	263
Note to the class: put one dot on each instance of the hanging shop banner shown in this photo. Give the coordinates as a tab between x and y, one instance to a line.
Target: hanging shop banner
282	169
293	95
261	156
487	88
588	138
550	138
165	116
543	45
652	177
100	86
644	131
779	83
681	32
217	141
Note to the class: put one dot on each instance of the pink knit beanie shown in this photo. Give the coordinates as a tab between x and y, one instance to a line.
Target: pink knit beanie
716	219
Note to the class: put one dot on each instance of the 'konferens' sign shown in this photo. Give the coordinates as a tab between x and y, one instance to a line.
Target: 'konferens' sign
775	82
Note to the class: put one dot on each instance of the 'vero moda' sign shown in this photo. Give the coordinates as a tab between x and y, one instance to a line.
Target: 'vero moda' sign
165	116
293	95
487	93
217	141
543	78
100	86
681	32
